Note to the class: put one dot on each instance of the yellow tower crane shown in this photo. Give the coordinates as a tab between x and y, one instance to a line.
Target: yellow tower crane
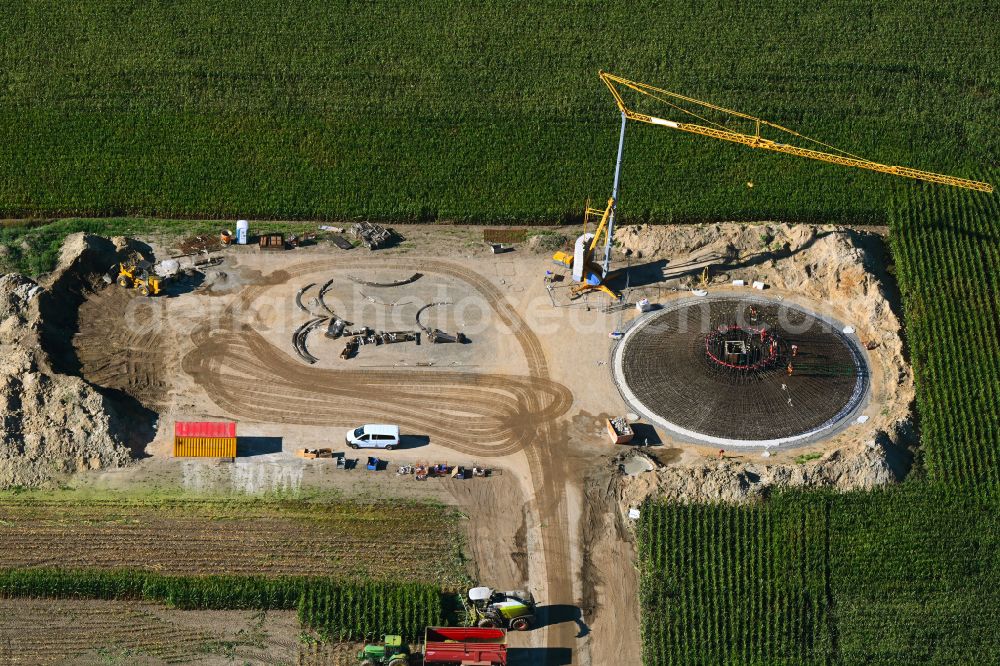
595	278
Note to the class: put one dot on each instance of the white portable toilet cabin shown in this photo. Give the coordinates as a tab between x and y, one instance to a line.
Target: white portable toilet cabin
242	231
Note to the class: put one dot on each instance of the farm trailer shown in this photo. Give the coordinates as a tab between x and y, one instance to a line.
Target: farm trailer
465	646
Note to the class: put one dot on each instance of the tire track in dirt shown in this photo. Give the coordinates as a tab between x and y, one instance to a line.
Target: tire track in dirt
490	411
508	414
128	354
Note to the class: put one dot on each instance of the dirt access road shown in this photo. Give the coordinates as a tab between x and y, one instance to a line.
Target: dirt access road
518	422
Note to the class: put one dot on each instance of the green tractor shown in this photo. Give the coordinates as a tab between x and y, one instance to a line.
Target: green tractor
505	610
390	652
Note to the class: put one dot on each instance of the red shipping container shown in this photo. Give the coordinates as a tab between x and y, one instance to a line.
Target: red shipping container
204	429
201	439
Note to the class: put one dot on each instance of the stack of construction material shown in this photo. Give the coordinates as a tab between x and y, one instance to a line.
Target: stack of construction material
312	454
272	241
372	235
619	430
204	439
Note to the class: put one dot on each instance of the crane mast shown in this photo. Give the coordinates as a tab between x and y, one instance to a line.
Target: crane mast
613	204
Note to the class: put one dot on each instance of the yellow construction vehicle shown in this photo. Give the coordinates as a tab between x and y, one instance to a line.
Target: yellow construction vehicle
586	270
140	276
593	274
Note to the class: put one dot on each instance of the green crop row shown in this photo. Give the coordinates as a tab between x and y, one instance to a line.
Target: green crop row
947	249
901	576
347	611
344	612
477	111
723	585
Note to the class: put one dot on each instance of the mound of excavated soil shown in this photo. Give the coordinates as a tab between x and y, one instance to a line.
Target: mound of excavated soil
828	264
876	463
53	422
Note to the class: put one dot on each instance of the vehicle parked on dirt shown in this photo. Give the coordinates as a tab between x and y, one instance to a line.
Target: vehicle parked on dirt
138	275
445	646
373	436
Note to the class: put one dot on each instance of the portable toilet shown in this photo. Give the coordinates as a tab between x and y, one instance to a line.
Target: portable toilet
242	231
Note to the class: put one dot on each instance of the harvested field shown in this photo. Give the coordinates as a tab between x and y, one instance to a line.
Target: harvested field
287	537
45	631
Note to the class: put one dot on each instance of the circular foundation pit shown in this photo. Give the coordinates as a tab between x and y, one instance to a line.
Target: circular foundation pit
737	372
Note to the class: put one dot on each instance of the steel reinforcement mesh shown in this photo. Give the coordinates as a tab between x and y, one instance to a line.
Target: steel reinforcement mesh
742	369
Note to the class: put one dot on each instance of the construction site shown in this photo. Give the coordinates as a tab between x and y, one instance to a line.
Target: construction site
542	381
525	400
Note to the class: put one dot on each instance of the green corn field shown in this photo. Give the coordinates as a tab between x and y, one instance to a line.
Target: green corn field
477	111
369	610
335	609
947	249
725	585
901	576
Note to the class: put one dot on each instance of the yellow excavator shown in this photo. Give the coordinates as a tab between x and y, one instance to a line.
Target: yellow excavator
593	274
139	275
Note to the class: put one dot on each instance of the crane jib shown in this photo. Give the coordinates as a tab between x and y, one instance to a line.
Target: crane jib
756	141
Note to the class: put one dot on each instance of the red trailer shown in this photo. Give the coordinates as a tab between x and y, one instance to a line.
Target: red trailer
465	646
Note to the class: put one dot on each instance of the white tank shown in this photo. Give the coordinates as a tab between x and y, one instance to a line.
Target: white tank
242	231
580	251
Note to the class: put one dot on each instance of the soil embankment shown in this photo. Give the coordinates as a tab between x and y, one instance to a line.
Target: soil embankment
53	422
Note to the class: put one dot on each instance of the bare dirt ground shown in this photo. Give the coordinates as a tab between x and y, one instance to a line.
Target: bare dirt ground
527	396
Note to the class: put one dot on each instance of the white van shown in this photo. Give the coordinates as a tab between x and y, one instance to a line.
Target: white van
372	436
